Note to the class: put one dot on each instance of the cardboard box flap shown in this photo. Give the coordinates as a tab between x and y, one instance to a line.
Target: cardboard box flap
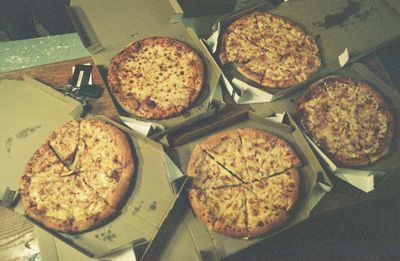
29	113
337	25
173	240
115	25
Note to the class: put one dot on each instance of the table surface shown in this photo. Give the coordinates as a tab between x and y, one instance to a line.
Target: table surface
17	240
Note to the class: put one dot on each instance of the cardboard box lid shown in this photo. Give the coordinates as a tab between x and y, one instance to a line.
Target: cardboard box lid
29	112
115	24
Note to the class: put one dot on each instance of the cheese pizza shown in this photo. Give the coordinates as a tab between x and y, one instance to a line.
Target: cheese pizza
269	50
347	119
245	182
156	77
78	178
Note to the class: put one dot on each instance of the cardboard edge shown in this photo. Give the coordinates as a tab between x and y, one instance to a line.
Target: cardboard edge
75	107
177	16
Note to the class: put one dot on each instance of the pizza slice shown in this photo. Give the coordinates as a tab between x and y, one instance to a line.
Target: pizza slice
45	162
235	48
281	158
262	216
256	148
46	200
247	27
226	148
88	208
255	68
64	141
105	160
210	204
233	220
270	200
286	71
207	173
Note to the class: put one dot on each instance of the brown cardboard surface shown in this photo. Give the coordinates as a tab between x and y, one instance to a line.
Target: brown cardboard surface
28	114
390	163
114	29
216	245
336	25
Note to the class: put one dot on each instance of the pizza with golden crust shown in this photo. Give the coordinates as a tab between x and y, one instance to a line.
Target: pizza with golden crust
245	182
269	50
347	119
156	77
78	178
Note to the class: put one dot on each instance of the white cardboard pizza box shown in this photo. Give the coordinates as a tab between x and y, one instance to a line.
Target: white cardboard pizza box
30	111
183	222
369	177
342	38
108	32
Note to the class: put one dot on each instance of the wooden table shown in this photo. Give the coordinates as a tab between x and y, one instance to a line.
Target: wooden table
17	240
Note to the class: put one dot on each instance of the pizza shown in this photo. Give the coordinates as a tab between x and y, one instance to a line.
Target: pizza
245	182
347	119
269	50
156	77
78	178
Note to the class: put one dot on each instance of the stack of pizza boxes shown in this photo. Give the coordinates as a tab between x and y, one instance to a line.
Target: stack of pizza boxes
157	213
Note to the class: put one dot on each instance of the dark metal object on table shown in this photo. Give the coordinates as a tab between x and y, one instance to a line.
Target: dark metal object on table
78	86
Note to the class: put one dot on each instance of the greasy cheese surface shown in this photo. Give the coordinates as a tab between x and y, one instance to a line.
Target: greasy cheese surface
245	183
347	119
75	197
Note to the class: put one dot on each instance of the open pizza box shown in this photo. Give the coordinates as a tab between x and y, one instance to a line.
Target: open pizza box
365	178
29	113
108	32
183	228
344	31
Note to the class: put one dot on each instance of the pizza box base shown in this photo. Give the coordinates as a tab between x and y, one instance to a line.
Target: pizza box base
151	194
360	33
111	30
210	245
390	164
